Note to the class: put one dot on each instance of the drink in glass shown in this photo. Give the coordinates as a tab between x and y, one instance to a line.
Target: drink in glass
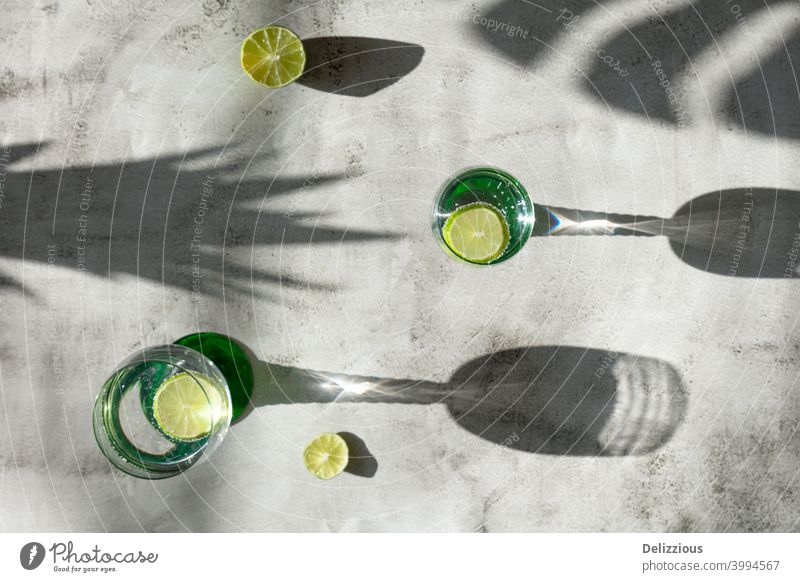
168	407
483	216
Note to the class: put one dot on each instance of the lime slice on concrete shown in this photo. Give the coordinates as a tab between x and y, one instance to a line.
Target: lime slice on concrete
326	456
273	56
477	233
186	406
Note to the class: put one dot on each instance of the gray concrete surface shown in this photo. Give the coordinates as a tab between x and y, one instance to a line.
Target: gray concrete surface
315	250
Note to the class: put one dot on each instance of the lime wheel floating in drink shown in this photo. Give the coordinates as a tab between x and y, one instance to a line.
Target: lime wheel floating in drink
326	456
477	233
273	56
186	405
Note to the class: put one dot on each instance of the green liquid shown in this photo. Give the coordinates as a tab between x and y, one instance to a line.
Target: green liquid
497	189
231	359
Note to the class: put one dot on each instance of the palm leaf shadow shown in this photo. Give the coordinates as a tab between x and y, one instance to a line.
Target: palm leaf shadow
656	52
161	219
662	48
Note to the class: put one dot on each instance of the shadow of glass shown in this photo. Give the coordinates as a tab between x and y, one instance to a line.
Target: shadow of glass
742	232
357	66
171	219
547	399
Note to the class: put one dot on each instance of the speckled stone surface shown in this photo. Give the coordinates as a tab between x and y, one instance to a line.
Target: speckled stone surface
150	190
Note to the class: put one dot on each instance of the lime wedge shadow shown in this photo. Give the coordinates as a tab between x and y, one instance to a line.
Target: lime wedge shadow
361	462
357	66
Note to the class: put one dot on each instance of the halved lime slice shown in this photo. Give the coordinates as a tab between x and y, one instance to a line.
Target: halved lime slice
186	406
476	232
273	56
326	456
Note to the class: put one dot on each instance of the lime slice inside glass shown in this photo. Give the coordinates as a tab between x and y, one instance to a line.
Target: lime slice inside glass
476	232
186	406
326	456
273	56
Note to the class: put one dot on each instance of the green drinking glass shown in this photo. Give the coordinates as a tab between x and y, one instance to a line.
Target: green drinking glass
166	408
482	216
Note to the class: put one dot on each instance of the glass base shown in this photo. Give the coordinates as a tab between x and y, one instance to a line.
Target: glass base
231	359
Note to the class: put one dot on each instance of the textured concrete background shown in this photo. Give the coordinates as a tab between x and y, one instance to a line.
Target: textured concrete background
316	252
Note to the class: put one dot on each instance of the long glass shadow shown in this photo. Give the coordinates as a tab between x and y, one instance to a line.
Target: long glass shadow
742	232
555	400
